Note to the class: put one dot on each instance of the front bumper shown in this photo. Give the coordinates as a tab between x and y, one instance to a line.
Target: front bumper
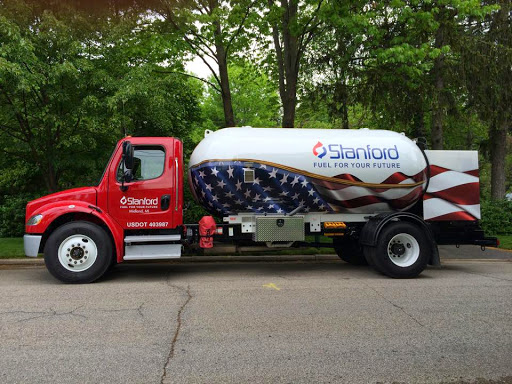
31	244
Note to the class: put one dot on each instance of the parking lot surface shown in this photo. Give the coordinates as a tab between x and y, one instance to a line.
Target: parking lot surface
287	322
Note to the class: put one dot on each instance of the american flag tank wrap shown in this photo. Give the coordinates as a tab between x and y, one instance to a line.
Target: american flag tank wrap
223	187
453	192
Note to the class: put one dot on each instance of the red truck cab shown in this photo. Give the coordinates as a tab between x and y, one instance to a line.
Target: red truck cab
83	231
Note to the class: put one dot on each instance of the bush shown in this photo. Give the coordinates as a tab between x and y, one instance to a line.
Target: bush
497	216
12	214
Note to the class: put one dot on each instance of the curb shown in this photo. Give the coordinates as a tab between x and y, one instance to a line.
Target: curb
195	259
250	259
500	249
27	261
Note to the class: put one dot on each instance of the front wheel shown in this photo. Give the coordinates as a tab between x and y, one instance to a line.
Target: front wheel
78	252
402	250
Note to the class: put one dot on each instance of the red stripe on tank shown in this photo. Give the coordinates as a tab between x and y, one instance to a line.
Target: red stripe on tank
454	216
465	194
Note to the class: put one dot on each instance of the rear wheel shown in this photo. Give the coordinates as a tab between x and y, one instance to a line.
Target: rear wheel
402	250
78	252
350	252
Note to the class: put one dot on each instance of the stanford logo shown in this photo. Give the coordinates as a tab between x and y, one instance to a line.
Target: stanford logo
338	151
316	152
144	201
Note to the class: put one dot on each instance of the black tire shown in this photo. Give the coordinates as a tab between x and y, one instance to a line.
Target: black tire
350	252
395	238
83	231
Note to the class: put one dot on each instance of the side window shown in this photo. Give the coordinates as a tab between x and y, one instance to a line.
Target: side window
148	163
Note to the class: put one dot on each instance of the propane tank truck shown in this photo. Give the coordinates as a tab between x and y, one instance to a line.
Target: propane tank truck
379	196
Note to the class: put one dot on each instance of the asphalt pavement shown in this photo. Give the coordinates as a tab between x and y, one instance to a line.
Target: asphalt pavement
290	322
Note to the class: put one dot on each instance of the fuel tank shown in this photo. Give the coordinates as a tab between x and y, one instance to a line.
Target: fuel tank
279	170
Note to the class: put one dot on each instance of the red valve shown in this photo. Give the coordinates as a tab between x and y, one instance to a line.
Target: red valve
207	228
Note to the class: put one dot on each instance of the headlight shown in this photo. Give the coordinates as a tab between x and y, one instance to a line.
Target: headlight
34	220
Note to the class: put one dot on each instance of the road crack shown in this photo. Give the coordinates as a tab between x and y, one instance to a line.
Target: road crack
401	309
138	310
47	313
178	328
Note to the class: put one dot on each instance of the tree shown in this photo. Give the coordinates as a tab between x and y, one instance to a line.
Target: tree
43	90
487	66
211	29
450	17
70	83
293	26
335	58
255	100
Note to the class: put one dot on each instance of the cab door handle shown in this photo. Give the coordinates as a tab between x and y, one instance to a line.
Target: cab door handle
165	202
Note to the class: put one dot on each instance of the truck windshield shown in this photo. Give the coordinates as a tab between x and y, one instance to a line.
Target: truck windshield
106	166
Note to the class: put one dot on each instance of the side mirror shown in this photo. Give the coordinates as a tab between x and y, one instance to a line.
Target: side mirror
128	155
128	176
127	165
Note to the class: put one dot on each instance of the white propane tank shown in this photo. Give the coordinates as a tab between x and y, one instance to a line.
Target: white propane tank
277	170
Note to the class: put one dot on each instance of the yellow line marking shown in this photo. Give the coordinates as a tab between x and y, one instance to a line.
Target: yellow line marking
272	286
314	175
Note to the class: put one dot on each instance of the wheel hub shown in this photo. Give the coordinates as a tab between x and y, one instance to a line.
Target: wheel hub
77	253
398	249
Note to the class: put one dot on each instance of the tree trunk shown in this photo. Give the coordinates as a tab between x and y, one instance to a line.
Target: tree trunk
498	153
289	102
287	61
344	115
290	43
51	178
498	133
438	102
229	117
419	124
291	63
437	107
341	98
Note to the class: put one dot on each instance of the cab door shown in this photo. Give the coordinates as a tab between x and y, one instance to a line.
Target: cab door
147	201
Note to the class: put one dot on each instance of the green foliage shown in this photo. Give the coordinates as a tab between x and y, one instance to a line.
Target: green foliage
255	100
44	92
73	83
193	211
12	214
149	104
313	113
497	216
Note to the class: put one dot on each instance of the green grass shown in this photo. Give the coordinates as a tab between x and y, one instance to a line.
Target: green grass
505	241
11	247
